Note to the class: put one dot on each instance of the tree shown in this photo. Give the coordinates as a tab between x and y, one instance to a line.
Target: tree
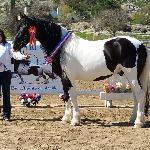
145	11
142	16
89	9
112	20
12	4
9	17
66	14
139	3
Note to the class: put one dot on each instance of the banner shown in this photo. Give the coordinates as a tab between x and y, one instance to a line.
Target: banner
34	78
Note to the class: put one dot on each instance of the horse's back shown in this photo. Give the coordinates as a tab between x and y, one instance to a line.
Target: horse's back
91	59
87	59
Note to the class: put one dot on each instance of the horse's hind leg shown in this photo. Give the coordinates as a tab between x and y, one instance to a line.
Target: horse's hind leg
126	74
139	94
134	112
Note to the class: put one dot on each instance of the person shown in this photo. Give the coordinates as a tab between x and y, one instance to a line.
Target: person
6	53
0	92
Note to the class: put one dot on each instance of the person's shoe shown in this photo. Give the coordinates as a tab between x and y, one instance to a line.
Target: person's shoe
6	118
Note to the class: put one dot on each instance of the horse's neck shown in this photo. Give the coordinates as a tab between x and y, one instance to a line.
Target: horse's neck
48	42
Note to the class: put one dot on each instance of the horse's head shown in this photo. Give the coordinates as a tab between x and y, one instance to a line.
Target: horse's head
47	33
22	36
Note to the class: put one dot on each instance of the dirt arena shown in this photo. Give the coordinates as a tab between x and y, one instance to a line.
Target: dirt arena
101	128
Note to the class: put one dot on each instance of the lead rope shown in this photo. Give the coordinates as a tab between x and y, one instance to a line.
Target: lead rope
49	59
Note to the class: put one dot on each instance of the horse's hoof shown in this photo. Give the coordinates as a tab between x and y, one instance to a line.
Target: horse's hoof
65	121
131	121
46	82
138	126
75	123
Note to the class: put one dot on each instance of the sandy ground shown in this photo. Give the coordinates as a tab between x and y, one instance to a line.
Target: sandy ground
101	128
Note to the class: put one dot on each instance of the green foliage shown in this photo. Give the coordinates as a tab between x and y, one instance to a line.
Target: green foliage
137	18
142	16
92	36
66	13
89	36
88	9
111	4
139	3
146	14
112	20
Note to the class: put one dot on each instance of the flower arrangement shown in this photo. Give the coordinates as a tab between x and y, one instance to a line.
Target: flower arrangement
28	99
116	88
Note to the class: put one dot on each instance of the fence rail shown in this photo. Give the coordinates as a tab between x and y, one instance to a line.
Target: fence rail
147	43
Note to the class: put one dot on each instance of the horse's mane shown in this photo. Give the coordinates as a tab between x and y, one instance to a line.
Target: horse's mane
49	33
42	21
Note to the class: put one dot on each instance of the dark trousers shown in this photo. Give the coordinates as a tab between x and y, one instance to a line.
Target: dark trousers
5	81
0	91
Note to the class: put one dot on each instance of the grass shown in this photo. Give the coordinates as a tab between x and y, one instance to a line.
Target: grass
92	36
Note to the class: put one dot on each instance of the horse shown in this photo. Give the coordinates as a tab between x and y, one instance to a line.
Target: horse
74	58
23	67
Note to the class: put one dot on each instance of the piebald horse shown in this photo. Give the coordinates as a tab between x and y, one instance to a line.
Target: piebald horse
74	58
23	67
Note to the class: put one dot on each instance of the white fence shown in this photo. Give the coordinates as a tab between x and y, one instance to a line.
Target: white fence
109	97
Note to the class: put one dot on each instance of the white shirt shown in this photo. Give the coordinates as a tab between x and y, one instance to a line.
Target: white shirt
6	54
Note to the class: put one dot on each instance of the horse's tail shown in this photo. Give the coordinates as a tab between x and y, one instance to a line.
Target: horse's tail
143	65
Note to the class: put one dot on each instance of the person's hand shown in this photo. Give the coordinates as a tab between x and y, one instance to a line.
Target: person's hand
49	60
27	56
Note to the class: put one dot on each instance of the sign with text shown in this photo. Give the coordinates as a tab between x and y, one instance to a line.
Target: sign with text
34	77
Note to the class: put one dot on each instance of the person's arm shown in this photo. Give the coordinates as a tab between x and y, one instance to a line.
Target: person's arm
17	55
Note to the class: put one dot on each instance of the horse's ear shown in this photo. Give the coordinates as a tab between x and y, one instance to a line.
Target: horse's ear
22	16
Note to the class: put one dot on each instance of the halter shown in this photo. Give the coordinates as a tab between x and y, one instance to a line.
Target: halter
49	59
32	32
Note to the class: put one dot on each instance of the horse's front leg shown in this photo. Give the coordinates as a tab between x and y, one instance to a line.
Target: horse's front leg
66	86
76	119
21	78
70	97
68	114
38	78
